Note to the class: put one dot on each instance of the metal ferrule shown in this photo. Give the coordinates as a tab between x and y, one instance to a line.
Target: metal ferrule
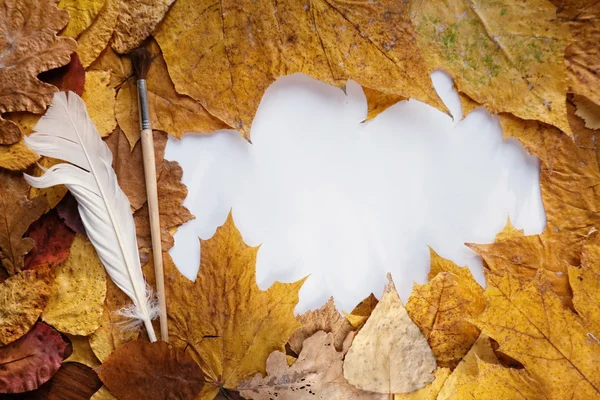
143	105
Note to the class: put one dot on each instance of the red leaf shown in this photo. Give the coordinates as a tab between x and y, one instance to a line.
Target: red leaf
52	241
67	211
32	360
69	77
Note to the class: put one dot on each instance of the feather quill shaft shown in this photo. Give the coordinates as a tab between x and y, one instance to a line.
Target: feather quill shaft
67	133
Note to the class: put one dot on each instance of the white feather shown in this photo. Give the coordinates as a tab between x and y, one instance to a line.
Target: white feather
67	133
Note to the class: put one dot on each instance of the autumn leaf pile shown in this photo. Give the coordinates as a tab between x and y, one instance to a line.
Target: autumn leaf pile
532	333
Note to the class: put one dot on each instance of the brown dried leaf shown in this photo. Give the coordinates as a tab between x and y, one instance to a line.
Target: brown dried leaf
137	20
77	299
16	214
326	318
316	375
171	193
441	307
148	371
225	55
35	49
389	354
23	297
129	167
31	360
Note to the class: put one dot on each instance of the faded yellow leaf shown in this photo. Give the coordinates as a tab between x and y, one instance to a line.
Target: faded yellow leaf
227	324
82	352
441	307
82	15
389	354
76	303
22	300
99	98
587	111
505	55
17	157
225	55
94	39
169	111
326	318
137	20
531	325
481	376
429	392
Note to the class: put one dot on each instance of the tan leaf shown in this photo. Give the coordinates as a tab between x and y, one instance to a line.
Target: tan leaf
225	55
82	14
497	59
389	354
76	303
137	20
129	166
481	376
16	214
223	319
587	111
99	98
94	39
429	392
532	326
82	352
22	300
441	307
35	49
151	371
169	111
171	193
326	318
317	375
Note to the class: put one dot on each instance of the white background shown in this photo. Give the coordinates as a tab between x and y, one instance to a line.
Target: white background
346	201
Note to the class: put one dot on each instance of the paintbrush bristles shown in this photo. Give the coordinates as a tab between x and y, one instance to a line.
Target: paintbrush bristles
140	59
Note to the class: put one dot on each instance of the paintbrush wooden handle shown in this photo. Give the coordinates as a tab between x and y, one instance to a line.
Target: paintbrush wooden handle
152	194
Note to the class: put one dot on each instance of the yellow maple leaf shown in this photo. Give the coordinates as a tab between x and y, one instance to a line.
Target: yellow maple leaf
82	15
481	376
531	325
225	55
497	60
440	309
227	324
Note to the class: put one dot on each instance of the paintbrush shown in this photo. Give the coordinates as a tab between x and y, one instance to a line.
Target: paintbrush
141	59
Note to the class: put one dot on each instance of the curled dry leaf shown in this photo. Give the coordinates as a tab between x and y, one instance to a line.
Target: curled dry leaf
532	326
480	375
16	214
137	20
169	111
147	371
99	98
327	319
587	111
225	55
95	38
317	374
82	14
82	352
171	193
31	360
35	49
495	58
441	307
52	241
129	166
77	299
23	297
389	354
227	324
